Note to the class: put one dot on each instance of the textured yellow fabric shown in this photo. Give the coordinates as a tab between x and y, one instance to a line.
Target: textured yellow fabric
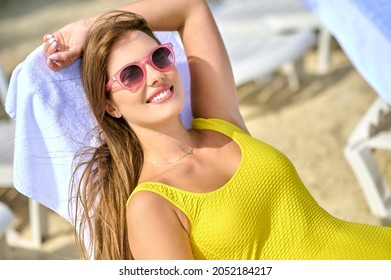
265	212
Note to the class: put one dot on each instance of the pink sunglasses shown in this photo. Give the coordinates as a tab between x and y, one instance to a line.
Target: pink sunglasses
132	76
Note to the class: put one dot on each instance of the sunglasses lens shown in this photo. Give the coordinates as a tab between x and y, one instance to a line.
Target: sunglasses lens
163	58
131	76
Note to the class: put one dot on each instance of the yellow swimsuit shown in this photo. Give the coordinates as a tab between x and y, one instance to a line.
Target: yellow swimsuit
265	212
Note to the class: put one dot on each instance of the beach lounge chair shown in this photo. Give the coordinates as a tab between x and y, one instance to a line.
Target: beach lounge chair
372	133
362	30
53	122
283	30
50	108
6	220
6	215
263	55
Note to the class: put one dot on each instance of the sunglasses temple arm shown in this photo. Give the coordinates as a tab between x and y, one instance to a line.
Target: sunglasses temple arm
110	83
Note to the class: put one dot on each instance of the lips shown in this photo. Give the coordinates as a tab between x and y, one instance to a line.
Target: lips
160	96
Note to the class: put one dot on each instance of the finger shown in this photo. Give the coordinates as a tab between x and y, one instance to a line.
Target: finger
55	65
59	60
46	37
52	65
45	41
60	56
50	44
52	47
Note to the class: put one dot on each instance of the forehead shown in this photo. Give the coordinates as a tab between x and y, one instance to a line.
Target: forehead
131	47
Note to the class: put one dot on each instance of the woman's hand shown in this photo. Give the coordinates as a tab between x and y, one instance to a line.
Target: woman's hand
66	45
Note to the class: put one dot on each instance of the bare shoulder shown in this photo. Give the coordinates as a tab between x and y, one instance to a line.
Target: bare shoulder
149	205
154	229
146	200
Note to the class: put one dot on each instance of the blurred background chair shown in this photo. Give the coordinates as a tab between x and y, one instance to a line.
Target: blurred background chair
362	30
372	133
263	55
6	215
37	214
278	33
6	220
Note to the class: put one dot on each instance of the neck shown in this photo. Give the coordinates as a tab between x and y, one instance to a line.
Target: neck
166	144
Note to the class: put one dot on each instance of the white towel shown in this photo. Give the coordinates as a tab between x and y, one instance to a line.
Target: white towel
53	122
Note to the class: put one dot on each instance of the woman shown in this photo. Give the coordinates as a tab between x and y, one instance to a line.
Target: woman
211	192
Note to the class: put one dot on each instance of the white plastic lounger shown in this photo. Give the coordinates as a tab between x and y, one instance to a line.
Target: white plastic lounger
263	55
53	122
362	29
255	17
6	220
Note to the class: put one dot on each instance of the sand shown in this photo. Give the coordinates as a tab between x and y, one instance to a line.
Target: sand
311	126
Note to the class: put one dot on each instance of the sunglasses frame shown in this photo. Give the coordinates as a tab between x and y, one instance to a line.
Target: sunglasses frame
140	63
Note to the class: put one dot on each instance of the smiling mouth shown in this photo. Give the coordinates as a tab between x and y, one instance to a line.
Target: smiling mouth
161	96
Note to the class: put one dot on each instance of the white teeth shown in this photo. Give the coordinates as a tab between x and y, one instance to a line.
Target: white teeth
160	96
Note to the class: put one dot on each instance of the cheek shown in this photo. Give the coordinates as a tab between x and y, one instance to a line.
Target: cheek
125	96
175	77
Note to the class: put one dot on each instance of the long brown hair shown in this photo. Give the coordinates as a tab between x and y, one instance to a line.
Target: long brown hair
106	175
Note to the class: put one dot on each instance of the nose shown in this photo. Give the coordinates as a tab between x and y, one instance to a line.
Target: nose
154	76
